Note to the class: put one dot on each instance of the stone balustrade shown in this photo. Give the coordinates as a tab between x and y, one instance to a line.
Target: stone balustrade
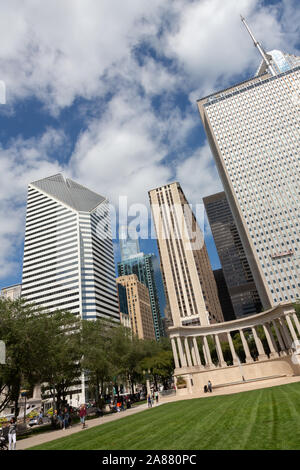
193	357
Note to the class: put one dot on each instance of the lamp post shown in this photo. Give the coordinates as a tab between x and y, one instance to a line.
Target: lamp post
24	395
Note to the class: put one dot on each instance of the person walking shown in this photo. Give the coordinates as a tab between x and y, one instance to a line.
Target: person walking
12	434
82	414
66	418
156	397
209	386
149	401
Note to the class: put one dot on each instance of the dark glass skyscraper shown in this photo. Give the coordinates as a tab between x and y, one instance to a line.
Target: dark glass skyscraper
143	266
236	269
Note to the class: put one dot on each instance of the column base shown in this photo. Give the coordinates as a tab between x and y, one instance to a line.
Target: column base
209	366
249	360
282	353
262	357
273	355
223	364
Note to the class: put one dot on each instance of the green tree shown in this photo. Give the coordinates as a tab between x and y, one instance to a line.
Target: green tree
97	359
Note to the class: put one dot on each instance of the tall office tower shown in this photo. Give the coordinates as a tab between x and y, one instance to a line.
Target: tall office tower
139	306
190	286
68	252
236	269
225	300
253	131
143	266
11	292
123	306
129	242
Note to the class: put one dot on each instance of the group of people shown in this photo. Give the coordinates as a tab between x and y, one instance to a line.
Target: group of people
153	395
120	404
208	387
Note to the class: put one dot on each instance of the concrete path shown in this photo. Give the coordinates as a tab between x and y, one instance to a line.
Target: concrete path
52	435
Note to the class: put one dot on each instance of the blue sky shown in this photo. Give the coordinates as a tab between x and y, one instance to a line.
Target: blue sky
105	92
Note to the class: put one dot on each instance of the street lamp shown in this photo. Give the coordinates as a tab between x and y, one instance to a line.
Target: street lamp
24	395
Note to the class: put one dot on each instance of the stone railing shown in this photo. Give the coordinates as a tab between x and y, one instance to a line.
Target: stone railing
281	330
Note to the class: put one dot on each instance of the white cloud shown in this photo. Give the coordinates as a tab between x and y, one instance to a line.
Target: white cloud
22	162
198	175
61	50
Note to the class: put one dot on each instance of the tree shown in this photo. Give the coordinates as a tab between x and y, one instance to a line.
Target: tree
24	332
97	359
62	354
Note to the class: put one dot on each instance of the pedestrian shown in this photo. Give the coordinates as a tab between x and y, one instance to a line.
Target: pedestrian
156	397
149	401
66	418
209	386
205	388
12	434
82	414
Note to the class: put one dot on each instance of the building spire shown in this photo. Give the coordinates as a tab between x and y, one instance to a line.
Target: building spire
259	47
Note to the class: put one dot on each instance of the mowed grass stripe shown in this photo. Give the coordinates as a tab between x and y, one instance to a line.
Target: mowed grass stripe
260	419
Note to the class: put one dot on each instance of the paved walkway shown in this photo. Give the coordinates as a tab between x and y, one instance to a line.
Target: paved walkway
244	387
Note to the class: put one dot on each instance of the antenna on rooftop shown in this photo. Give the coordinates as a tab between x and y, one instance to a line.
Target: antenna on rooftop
259	47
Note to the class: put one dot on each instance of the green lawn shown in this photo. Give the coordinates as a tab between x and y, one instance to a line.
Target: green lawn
260	419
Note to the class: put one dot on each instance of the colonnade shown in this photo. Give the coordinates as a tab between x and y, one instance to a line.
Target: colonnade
281	329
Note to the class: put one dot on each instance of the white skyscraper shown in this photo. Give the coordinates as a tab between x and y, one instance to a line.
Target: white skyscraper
253	131
68	252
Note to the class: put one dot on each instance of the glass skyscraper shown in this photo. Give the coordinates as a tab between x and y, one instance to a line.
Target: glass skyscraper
235	266
143	266
129	242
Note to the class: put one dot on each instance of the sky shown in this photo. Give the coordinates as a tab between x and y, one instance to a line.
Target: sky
105	92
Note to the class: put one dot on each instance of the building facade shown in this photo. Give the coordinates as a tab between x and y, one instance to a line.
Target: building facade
11	292
224	297
68	252
143	266
253	131
123	306
139	307
129	242
235	266
190	286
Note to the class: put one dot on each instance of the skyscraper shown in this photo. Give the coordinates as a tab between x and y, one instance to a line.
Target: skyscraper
253	132
189	282
142	266
235	266
68	252
139	306
129	242
11	292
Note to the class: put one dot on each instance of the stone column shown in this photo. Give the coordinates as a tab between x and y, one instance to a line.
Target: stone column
198	358
285	332
181	353
219	352
175	355
187	352
280	339
249	358
291	328
297	323
271	341
210	364
262	356
232	350
192	347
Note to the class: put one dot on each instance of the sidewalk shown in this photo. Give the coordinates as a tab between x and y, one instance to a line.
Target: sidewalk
56	434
